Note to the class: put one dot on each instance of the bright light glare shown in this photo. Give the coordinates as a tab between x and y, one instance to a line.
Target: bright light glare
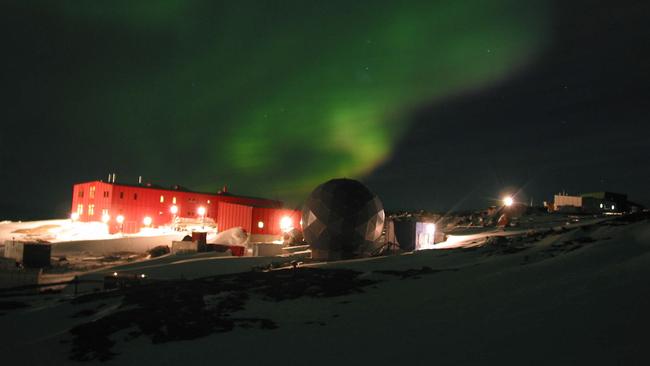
173	209
286	224
146	221
260	224
119	219
201	211
143	275
431	228
74	216
508	201
105	218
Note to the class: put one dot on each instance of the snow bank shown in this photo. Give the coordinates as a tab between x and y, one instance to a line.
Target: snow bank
55	231
234	236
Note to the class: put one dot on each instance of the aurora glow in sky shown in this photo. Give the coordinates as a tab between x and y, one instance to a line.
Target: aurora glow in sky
286	93
270	98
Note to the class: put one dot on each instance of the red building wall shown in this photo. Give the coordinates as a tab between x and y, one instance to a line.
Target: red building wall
135	203
234	215
271	217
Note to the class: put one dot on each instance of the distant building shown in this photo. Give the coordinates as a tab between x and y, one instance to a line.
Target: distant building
604	201
566	203
591	202
147	205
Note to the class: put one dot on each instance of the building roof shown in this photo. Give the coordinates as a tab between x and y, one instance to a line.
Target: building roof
262	202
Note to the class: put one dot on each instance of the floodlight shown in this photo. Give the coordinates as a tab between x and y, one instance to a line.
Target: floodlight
286	224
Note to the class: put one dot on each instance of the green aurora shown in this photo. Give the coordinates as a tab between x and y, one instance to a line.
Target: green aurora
276	96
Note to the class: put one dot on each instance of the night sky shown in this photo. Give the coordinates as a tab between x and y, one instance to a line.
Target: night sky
436	105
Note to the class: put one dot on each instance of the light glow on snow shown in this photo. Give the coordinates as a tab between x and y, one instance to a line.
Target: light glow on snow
74	216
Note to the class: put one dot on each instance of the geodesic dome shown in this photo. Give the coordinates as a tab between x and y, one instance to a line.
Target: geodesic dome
342	219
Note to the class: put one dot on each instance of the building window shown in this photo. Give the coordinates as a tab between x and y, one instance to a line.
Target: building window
162	198
80	209
81	193
91	210
104	212
174	200
208	202
121	195
135	196
106	194
92	192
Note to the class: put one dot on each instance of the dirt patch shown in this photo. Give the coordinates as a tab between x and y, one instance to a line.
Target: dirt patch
39	230
189	309
414	273
12	305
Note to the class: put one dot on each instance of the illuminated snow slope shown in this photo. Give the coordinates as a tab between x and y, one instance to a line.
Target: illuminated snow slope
573	296
61	230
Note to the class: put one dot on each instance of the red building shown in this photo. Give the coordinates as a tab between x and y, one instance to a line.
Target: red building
128	208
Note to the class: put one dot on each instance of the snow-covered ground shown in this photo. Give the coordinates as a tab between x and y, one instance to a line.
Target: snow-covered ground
92	238
56	231
568	296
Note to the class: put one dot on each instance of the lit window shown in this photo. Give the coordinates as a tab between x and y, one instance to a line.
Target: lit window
80	209
104	212
92	192
91	209
260	224
162	198
208	202
174	200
